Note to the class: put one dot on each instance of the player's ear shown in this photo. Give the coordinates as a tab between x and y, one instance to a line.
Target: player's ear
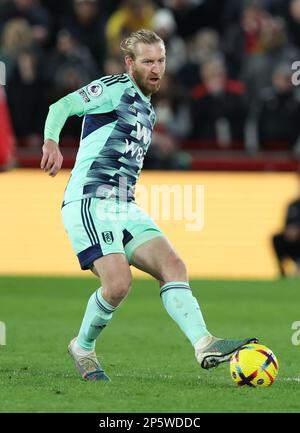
128	61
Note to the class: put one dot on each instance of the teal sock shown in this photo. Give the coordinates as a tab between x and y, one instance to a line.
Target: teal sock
97	314
180	303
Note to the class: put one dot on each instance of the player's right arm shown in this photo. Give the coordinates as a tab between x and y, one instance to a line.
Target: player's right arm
58	113
77	103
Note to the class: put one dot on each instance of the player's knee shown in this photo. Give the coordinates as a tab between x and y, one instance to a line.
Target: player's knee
175	271
119	287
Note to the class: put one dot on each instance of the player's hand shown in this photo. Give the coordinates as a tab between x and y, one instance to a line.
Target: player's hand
52	158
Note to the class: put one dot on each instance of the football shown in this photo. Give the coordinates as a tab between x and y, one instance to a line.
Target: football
254	365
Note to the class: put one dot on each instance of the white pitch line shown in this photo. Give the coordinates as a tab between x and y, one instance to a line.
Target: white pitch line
290	379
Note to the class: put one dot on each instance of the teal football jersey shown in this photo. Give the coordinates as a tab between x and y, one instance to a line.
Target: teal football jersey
116	134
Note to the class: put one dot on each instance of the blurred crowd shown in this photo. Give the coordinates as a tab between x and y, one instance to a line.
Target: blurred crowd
228	84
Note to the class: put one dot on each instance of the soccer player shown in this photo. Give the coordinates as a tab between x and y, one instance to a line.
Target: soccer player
108	231
286	244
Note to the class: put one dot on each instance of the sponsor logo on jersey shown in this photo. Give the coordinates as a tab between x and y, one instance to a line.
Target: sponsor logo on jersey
136	151
108	237
84	95
142	132
132	109
95	89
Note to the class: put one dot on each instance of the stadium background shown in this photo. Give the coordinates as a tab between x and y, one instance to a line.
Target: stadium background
241	212
227	119
52	48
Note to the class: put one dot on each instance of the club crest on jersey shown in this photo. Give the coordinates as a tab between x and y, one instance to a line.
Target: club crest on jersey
95	89
108	237
152	119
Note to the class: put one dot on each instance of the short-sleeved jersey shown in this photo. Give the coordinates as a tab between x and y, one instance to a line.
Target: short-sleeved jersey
116	133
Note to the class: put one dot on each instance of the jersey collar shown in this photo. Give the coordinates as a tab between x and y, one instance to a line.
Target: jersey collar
144	97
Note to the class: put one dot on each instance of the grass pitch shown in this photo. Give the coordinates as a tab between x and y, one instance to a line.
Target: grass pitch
150	362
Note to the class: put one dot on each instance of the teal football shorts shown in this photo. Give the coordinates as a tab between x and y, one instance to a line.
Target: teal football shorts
98	227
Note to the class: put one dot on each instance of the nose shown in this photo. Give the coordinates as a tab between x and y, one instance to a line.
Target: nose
155	68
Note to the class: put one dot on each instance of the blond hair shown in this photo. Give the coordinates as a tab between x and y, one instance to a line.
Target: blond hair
128	45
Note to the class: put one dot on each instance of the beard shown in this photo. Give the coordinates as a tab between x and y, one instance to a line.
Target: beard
144	84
